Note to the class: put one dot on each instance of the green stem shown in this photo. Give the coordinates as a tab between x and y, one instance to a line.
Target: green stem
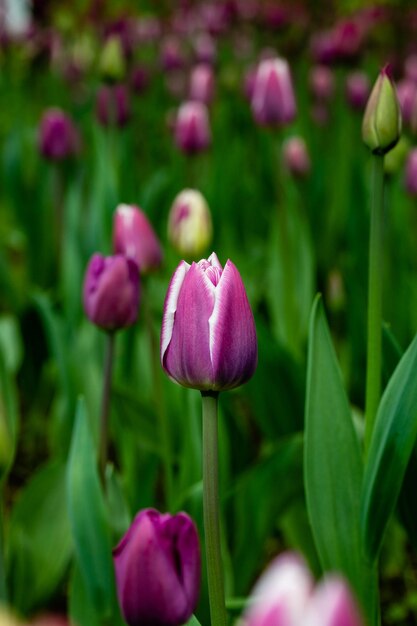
211	510
3	587
105	404
374	356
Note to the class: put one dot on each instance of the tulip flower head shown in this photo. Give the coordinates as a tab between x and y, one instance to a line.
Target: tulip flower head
296	157
111	291
157	566
58	137
208	338
411	173
134	236
273	100
113	105
332	604
381	126
357	90
189	223
322	83
202	84
192	127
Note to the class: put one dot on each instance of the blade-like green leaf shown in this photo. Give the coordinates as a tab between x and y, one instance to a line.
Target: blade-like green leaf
88	517
333	467
391	446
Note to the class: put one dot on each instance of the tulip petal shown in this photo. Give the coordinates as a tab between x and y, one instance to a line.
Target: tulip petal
332	605
232	340
186	358
170	305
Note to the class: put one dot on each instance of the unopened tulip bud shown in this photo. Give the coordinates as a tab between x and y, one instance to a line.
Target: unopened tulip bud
281	595
273	100
134	237
58	138
113	105
322	83
192	128
411	173
332	604
202	84
157	566
381	126
208	338
296	157
111	291
189	223
112	62
357	90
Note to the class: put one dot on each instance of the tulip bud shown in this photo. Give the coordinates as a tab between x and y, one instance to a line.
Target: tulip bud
192	127
205	48
411	173
281	595
111	291
172	55
357	90
296	157
322	82
58	138
112	105
189	223
202	84
395	158
381	126
134	237
112	62
406	93
273	101
208	338
157	565
332	604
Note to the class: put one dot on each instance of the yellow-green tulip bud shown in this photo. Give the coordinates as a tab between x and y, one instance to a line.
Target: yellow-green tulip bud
112	61
189	223
381	126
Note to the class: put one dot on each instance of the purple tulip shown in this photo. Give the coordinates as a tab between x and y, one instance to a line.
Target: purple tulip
58	138
332	604
172	54
406	93
157	565
281	596
111	291
296	157
208	338
192	128
273	101
410	68
321	83
202	84
411	173
134	237
358	88
205	48
112	105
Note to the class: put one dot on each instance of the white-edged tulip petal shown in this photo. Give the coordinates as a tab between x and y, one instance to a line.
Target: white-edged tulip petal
170	305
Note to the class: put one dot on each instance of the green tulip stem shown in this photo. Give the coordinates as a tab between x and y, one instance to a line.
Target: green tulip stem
3	586
374	348
105	404
211	510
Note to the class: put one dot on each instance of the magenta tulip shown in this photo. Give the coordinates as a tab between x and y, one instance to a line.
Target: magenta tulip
332	604
358	88
157	566
273	100
202	84
411	173
208	339
296	157
111	291
113	105
192	128
322	82
134	236
58	137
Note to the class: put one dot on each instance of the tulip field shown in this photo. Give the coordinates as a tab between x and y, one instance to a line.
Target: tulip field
208	313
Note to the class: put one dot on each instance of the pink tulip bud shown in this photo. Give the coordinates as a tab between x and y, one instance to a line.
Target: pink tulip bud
192	128
281	595
113	105
189	223
411	173
157	565
273	101
332	604
134	237
202	84
111	291
407	97
296	158
322	83
205	49
58	137
208	338
358	87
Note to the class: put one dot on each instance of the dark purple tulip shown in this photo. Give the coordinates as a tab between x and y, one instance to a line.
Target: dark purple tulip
134	237
111	291
411	173
113	105
192	127
172	55
406	93
58	137
273	100
296	157
139	79
157	565
321	82
208	338
358	88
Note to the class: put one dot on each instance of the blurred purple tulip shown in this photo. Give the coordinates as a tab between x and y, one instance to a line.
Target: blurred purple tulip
111	291
411	173
321	81
332	604
134	237
202	84
139	79
205	48
172	54
113	105
410	68
192	127
406	93
208	338
157	566
358	88
295	156
58	137
273	101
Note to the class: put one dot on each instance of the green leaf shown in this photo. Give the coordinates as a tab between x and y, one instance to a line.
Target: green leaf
333	467
11	342
193	621
40	539
88	516
8	417
390	449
